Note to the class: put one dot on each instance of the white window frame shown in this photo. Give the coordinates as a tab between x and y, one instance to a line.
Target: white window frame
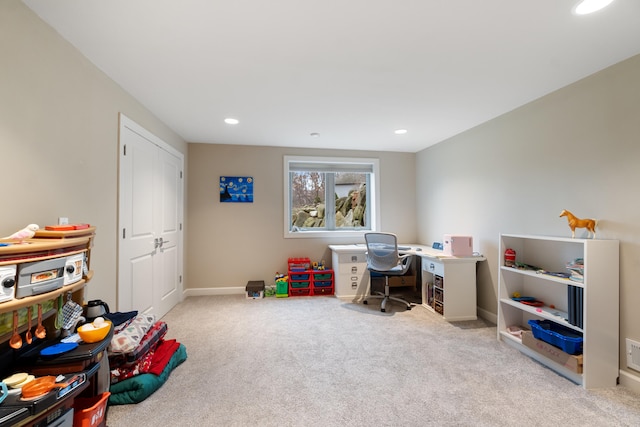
372	201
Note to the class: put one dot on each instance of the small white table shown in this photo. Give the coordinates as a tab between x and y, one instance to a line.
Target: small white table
455	276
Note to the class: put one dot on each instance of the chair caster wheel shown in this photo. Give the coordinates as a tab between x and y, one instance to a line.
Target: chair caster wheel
365	302
409	308
383	310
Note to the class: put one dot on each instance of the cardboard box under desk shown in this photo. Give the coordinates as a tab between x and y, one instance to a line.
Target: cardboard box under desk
569	361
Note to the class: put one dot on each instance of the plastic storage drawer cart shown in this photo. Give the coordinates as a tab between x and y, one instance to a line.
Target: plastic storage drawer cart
299	276
322	281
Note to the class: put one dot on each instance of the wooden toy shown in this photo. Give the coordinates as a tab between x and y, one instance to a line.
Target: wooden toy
575	222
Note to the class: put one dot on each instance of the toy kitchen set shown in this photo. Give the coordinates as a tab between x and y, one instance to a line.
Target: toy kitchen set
48	376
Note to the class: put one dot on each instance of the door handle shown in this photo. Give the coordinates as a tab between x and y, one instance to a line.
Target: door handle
157	243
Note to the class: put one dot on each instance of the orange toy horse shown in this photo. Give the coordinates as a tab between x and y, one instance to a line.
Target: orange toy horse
575	222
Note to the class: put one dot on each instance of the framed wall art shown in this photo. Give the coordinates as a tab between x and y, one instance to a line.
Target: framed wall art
236	189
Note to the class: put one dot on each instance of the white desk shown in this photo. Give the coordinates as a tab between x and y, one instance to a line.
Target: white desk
458	291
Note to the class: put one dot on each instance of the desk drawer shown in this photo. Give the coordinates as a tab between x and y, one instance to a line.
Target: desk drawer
433	267
352	258
354	269
351	277
351	281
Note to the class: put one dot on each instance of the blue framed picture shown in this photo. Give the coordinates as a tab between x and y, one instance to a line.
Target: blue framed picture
236	189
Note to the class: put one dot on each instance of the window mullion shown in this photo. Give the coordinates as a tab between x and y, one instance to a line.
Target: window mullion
330	202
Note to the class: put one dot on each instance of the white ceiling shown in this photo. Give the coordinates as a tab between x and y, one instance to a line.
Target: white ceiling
351	70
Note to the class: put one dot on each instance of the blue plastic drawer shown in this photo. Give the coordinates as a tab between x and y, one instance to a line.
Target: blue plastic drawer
568	340
299	277
322	283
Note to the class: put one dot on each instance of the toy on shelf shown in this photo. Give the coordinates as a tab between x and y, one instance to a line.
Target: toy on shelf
298	264
26	233
319	265
575	222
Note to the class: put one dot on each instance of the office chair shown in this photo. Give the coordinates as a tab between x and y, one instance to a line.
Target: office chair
383	258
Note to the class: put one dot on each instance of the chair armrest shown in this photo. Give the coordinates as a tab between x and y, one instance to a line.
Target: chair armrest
405	260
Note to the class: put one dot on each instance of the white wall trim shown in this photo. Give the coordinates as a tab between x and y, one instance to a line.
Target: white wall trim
487	315
193	292
630	381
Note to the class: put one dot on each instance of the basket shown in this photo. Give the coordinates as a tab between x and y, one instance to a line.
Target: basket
301	292
568	340
298	264
90	411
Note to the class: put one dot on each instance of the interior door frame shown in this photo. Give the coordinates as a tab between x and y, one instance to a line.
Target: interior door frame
126	122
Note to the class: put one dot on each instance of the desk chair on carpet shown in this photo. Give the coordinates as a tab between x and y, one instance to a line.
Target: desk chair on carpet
383	258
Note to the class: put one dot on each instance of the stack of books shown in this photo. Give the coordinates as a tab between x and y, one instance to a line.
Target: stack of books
576	270
575	294
575	297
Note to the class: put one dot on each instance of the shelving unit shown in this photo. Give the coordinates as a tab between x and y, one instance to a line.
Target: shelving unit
44	246
438	294
600	306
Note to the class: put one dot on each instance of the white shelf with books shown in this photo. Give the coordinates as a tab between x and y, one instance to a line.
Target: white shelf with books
568	284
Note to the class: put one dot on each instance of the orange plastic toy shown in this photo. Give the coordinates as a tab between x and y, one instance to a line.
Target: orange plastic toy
575	222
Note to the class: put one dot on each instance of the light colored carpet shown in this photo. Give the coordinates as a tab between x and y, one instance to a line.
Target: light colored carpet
320	361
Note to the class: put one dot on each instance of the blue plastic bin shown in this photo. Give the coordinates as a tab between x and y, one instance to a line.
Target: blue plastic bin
322	283
568	340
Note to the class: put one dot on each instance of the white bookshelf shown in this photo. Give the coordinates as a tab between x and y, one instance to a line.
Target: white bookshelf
600	310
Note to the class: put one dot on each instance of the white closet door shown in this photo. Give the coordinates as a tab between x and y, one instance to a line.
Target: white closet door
168	267
150	235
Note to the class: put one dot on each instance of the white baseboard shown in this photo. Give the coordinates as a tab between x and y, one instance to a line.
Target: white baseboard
193	292
629	380
488	316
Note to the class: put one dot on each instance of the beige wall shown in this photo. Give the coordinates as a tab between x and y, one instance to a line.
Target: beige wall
59	137
577	149
229	244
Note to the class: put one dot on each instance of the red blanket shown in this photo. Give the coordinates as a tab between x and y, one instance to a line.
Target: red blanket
163	353
153	362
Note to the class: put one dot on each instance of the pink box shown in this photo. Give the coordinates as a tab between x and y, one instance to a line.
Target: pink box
459	246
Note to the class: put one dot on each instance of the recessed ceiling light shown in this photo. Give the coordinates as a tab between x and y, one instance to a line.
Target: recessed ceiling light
231	121
314	134
590	6
400	131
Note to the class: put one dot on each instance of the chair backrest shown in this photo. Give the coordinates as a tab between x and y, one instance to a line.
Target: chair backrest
382	251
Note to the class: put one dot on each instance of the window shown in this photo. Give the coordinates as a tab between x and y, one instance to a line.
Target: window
326	196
